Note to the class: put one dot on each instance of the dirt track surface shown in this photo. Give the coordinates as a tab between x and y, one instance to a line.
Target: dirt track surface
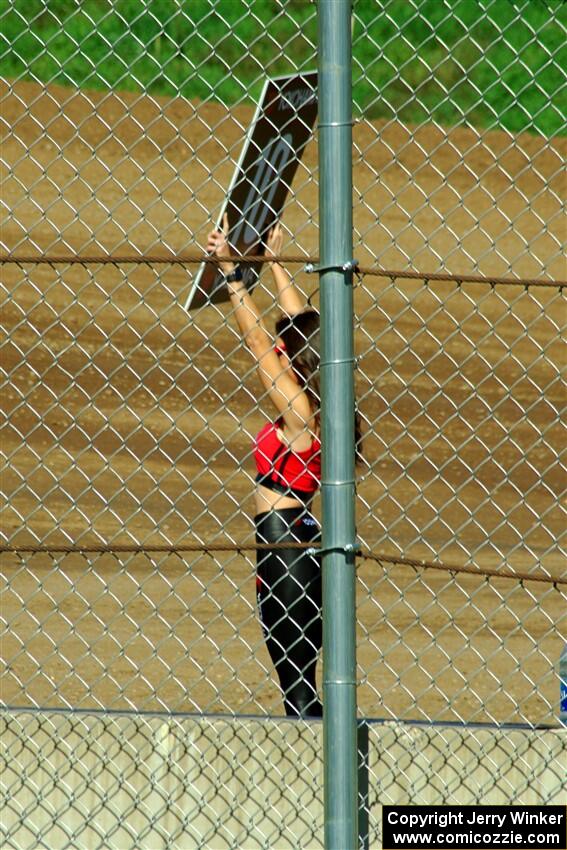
130	420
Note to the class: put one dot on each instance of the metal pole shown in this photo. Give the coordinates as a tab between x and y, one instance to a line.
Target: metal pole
337	418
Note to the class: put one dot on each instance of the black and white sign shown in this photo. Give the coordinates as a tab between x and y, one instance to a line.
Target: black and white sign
282	126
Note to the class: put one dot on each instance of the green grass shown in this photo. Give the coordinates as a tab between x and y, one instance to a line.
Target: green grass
487	63
483	62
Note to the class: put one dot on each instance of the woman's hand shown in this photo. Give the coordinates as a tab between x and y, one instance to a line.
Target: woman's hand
290	301
218	245
274	242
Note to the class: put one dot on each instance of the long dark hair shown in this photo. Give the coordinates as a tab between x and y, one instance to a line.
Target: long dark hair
301	337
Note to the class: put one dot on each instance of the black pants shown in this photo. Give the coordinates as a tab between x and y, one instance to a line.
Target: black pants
289	601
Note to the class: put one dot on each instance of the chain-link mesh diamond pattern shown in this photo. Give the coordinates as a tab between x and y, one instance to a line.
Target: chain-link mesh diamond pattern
139	693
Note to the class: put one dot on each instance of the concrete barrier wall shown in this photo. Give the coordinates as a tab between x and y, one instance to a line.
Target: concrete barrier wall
89	781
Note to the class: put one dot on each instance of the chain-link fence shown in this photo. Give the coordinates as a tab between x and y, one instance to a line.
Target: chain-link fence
139	694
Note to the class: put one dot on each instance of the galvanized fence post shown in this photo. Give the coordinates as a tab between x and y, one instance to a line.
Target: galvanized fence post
337	417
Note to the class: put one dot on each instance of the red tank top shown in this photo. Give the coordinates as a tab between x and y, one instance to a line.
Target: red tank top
284	470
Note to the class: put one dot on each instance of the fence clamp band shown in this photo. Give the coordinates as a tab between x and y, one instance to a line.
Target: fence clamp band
349	266
347	549
350	123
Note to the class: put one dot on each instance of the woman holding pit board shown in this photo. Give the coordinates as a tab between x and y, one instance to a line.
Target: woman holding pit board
287	453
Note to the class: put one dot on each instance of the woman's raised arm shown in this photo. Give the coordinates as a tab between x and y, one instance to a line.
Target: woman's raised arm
289	298
289	400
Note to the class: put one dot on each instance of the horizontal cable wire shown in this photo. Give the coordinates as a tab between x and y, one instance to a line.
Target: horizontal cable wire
292	259
459	278
149	259
116	549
